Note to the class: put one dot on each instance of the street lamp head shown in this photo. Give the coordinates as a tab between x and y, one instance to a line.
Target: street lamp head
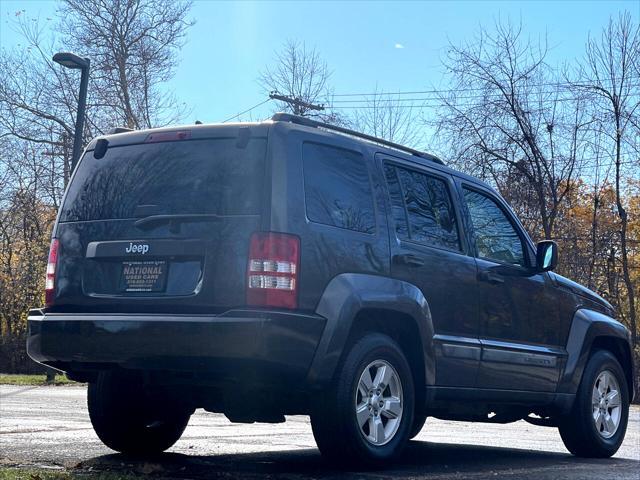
71	60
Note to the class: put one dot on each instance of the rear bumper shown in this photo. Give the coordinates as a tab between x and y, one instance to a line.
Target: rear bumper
240	345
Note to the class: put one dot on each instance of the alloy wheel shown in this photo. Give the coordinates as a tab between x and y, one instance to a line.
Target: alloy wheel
379	402
606	404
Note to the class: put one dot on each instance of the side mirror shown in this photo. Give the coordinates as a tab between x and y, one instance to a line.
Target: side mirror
546	256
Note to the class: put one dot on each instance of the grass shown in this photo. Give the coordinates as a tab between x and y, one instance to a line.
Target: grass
12	379
13	473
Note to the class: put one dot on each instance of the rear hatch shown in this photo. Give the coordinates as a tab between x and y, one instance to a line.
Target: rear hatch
162	223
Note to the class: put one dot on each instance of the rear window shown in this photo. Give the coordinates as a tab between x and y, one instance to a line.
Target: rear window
337	188
214	176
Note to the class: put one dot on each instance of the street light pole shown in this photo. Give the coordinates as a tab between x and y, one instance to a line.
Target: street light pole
82	104
73	61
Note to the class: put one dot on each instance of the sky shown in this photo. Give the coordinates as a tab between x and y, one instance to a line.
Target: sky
389	46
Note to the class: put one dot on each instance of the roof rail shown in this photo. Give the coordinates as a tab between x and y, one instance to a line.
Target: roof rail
297	119
115	130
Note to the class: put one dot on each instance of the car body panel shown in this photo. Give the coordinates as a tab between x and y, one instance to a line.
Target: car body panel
349	294
261	346
587	328
434	270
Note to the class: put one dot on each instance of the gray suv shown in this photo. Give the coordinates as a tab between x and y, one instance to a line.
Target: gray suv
294	267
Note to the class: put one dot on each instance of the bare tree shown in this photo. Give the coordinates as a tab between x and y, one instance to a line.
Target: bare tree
299	73
384	115
134	47
507	119
37	104
132	44
610	74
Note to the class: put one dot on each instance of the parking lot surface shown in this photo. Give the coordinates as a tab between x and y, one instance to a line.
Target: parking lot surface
49	427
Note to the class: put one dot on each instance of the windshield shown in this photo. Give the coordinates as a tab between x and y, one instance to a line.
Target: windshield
213	176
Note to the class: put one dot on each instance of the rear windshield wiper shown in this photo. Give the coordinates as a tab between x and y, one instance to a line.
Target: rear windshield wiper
174	220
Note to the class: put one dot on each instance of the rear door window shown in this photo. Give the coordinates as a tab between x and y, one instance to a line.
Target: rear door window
422	209
213	176
337	188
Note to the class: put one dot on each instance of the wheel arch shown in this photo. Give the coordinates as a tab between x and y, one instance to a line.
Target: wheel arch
622	351
357	303
400	327
592	331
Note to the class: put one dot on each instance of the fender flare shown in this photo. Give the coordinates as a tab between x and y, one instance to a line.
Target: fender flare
587	327
348	294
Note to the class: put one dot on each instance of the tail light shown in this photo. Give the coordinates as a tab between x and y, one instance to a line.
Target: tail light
50	279
273	270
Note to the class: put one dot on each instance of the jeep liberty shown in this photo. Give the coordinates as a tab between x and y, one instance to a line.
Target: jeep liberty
292	267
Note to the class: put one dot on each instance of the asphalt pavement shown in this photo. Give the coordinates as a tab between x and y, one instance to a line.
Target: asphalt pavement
49	427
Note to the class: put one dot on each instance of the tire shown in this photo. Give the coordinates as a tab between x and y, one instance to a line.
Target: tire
334	420
419	419
127	421
579	431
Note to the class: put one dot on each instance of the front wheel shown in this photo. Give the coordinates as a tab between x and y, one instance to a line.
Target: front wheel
367	414
127	421
597	423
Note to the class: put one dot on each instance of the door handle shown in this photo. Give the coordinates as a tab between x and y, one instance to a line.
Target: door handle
409	260
490	277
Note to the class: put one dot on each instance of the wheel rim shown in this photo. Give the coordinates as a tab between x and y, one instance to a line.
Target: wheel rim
606	404
379	402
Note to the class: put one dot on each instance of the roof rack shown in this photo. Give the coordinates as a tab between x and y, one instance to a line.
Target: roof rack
288	117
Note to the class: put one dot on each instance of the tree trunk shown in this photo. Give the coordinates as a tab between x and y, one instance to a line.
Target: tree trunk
594	233
622	213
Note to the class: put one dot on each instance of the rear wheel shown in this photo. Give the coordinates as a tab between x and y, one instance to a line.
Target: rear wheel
598	421
127	421
367	414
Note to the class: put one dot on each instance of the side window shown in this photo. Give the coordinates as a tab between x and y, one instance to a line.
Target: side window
337	188
422	208
496	238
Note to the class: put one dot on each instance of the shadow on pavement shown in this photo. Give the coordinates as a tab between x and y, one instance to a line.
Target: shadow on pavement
420	459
